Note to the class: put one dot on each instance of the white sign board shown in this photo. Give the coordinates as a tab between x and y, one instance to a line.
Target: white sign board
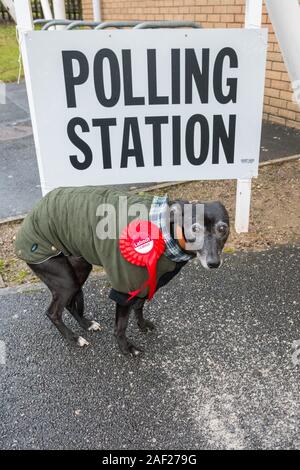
131	106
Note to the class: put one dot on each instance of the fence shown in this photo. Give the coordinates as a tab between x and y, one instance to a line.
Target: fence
4	15
73	10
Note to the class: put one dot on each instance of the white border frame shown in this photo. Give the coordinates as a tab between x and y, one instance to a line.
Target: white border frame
253	16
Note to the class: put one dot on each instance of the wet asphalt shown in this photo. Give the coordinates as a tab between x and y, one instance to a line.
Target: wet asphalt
221	370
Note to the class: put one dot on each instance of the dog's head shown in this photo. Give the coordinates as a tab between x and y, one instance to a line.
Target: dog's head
205	229
216	232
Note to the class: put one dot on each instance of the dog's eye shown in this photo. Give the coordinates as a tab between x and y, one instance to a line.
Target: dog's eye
222	229
196	228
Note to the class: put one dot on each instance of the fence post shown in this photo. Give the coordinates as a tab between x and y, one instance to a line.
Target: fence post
253	15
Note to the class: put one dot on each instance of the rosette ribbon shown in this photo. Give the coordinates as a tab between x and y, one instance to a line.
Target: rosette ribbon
142	243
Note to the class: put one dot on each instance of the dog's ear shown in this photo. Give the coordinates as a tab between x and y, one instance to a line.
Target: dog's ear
215	210
176	210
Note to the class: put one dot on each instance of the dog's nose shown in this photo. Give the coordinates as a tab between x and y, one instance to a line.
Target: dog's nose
213	264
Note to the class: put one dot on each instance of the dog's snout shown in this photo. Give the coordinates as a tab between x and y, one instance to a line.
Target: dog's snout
213	264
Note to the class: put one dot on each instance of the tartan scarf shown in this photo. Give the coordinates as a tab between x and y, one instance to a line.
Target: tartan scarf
158	216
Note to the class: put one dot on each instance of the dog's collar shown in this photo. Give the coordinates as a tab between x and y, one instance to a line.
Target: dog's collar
158	215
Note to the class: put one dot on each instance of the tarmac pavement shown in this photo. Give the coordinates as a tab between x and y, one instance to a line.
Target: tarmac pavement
19	179
221	370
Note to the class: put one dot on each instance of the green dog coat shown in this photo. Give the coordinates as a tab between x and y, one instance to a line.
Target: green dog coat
67	220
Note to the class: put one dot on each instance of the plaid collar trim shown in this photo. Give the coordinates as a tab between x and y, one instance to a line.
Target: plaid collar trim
157	216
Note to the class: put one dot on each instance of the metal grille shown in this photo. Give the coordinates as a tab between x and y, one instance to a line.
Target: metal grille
36	7
73	10
4	15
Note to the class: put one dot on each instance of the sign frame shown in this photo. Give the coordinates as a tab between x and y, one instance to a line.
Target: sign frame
24	18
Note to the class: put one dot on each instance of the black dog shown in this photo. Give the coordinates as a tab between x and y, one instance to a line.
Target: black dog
65	276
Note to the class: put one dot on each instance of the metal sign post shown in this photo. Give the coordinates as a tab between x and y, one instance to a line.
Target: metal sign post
243	188
46	10
59	10
24	24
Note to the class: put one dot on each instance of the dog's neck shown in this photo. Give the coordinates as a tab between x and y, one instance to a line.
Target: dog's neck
179	237
177	234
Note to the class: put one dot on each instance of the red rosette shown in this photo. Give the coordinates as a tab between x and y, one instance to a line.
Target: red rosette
142	243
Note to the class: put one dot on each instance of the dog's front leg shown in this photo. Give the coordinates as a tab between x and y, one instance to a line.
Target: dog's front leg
143	324
122	316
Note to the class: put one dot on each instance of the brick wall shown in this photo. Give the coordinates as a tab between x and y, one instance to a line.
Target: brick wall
278	104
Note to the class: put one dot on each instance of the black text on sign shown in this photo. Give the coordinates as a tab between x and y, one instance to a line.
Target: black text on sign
196	77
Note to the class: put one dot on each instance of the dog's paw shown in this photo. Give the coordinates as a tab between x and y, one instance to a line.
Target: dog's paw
94	326
82	342
146	326
134	351
128	349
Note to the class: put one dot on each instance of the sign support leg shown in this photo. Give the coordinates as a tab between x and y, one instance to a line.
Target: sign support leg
24	16
242	209
25	24
46	10
59	9
253	15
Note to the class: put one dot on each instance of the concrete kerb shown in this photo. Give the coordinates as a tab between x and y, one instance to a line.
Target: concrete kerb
40	286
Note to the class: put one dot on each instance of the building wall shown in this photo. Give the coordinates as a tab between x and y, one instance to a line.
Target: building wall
278	104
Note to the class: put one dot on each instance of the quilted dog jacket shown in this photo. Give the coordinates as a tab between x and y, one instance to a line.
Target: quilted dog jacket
65	221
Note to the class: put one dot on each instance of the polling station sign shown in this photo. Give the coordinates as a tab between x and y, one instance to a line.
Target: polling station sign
115	107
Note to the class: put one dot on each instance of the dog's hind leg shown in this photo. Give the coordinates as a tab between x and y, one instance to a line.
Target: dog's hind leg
58	276
81	270
143	324
76	308
55	312
122	316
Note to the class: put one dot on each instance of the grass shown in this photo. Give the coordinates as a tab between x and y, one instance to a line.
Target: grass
21	276
9	53
2	264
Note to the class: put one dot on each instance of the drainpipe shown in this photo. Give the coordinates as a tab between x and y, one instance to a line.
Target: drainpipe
97	10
